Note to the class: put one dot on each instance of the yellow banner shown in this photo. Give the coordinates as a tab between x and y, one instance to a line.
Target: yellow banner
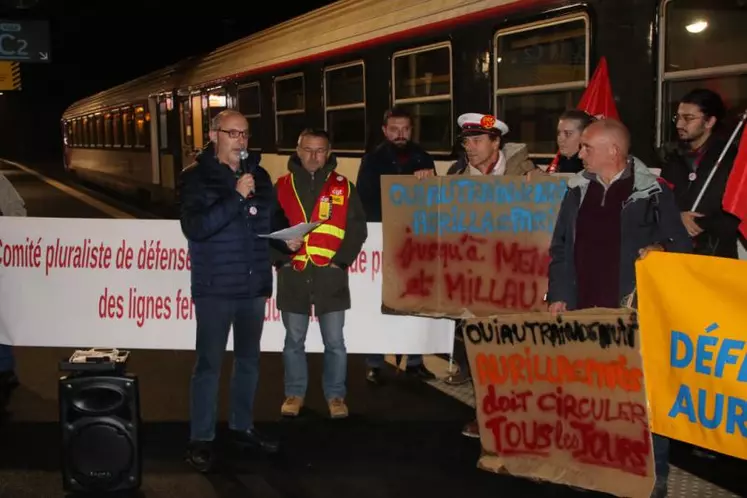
693	319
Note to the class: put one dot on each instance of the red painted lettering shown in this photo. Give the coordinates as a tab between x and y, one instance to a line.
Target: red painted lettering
466	249
418	285
507	293
616	451
521	260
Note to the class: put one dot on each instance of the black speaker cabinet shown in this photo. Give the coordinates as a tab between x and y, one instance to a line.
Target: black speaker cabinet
100	422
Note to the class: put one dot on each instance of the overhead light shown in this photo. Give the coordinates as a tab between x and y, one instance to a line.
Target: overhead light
697	27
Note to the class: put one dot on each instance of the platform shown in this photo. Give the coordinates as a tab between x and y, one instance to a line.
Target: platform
402	439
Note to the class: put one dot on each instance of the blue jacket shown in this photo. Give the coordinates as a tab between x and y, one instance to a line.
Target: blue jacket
228	259
649	216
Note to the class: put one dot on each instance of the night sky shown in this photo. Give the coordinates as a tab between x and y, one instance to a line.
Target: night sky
99	44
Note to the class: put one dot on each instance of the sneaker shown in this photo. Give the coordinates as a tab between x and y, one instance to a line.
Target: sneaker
201	455
291	406
337	408
471	430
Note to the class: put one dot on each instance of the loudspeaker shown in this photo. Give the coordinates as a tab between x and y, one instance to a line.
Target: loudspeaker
100	423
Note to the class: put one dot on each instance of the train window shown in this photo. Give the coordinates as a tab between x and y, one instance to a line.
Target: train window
86	131
68	138
250	106
198	136
116	129
82	139
702	46
422	85
99	120
541	69
290	109
163	123
140	133
216	102
186	118
127	138
108	139
91	131
345	106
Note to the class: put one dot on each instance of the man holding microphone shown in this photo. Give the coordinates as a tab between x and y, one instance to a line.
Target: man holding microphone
227	200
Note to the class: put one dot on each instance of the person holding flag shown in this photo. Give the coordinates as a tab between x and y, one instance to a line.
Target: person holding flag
570	126
689	165
597	102
735	195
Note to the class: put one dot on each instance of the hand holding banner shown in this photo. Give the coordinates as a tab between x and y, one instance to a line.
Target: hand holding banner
468	245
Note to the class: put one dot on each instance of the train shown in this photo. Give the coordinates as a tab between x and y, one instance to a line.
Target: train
340	67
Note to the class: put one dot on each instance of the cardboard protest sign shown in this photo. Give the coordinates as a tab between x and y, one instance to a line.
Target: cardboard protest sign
460	246
563	399
693	318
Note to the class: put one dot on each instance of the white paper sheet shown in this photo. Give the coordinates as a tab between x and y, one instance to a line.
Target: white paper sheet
294	232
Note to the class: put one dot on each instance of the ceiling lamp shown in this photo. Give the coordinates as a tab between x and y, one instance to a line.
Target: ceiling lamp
697	26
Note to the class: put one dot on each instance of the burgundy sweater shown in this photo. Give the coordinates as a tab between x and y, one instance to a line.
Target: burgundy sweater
597	244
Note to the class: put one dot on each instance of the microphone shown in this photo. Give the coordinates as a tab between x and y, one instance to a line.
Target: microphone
244	155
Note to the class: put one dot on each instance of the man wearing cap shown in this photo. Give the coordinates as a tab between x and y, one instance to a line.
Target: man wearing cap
486	153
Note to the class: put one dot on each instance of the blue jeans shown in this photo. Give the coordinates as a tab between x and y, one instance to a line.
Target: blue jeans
335	354
661	459
378	360
7	361
214	318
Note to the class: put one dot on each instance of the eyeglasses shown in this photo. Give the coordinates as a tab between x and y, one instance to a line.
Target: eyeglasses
686	117
237	133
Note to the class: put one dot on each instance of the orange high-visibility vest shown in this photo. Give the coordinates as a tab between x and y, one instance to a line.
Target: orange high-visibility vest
321	244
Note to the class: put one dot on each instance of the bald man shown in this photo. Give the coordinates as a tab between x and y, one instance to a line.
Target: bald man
615	211
226	202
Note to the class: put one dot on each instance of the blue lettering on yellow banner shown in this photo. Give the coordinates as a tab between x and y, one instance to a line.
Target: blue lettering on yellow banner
714	357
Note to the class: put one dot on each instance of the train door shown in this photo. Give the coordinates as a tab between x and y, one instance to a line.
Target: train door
198	139
155	156
187	142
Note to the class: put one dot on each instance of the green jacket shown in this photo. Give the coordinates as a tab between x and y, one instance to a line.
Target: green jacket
327	288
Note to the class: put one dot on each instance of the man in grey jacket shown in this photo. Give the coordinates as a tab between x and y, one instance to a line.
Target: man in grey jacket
615	211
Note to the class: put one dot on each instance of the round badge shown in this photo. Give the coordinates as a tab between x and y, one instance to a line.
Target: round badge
253	210
339	178
692	177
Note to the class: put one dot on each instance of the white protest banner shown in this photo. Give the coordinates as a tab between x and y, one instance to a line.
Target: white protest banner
125	284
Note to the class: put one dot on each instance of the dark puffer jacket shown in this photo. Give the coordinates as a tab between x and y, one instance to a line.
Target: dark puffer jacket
228	259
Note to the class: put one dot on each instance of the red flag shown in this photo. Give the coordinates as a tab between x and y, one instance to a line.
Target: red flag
597	100
735	195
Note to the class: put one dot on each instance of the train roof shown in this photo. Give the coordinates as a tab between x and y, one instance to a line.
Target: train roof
162	80
342	26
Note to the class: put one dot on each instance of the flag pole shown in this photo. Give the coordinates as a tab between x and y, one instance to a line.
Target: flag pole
718	163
